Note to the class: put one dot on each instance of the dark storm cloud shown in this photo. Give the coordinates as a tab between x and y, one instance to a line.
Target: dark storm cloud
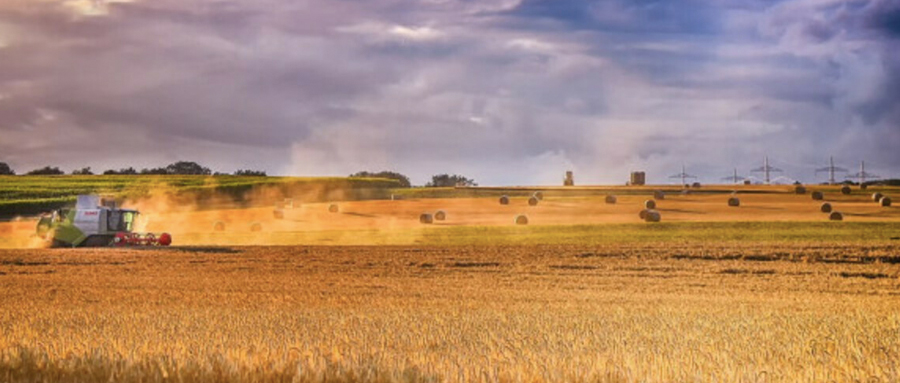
885	17
505	91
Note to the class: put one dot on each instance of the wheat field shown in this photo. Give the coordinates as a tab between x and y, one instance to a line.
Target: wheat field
725	312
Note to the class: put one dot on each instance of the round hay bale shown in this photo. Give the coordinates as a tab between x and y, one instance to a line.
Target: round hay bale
863	186
440	215
652	216
747	182
845	190
333	208
219	226
650	204
504	200
255	227
800	189
521	219
532	201
825	208
539	195
426	218
877	196
611	199
643	214
836	216
734	202
885	201
278	213
817	195
695	185
685	192
659	194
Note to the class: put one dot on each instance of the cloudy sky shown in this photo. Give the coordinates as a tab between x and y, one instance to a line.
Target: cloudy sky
508	92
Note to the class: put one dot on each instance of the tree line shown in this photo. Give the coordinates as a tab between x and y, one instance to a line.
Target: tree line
193	168
438	180
177	168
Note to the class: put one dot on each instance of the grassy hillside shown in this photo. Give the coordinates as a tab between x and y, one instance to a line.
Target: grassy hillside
28	195
602	190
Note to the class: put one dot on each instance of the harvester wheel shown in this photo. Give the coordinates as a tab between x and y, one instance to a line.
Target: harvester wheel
121	239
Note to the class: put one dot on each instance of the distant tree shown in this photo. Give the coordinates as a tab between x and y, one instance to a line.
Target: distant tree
123	171
404	180
187	168
83	172
444	180
5	170
154	171
250	173
46	171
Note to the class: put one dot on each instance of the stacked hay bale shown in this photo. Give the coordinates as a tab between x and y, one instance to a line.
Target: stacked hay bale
659	195
255	227
440	215
611	199
521	219
532	201
800	189
817	195
333	208
734	202
836	216
504	200
219	226
845	190
825	208
426	218
885	201
650	204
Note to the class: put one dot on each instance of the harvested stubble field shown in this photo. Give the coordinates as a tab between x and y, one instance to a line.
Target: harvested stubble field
770	291
639	312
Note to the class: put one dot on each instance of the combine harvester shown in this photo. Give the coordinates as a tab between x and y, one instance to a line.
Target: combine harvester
96	223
